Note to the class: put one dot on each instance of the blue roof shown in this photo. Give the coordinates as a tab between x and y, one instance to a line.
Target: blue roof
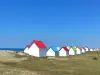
54	48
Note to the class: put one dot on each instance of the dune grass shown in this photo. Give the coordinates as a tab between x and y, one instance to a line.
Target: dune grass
83	64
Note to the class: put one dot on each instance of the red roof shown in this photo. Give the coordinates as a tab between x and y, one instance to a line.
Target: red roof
65	48
79	48
40	44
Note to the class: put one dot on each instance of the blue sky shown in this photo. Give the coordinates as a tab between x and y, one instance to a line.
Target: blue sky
55	22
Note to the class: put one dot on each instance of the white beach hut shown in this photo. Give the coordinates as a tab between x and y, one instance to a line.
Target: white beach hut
87	49
94	49
26	49
83	50
91	50
52	51
78	50
37	49
97	49
64	51
72	50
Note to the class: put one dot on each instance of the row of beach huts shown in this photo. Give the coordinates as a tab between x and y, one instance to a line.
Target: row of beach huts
38	49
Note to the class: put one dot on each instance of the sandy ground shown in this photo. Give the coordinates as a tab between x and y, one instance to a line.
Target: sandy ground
15	63
9	56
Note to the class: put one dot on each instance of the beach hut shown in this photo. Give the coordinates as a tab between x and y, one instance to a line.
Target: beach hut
83	50
37	48
87	49
72	50
64	51
96	49
91	49
78	50
52	51
26	49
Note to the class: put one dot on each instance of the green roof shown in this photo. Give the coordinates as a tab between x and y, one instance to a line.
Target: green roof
73	47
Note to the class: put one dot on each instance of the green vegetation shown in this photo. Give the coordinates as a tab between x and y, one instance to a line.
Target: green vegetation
84	64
